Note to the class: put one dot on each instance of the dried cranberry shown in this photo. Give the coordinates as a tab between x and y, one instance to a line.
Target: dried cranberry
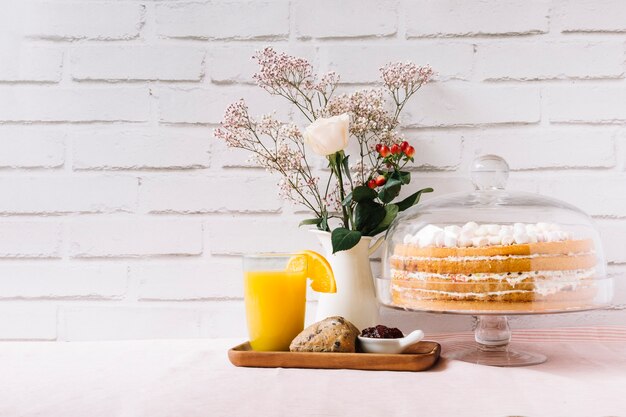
382	332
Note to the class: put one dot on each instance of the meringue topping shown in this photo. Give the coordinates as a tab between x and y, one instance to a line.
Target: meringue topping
472	234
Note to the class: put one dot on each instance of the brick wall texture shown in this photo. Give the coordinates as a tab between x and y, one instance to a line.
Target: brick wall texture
121	216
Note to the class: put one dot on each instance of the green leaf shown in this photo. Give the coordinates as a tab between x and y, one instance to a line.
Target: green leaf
404	177
333	160
344	239
346	201
391	211
360	193
412	199
324	224
346	167
310	221
363	193
390	190
367	215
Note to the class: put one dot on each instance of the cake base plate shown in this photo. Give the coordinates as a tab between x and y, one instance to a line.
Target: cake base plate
506	356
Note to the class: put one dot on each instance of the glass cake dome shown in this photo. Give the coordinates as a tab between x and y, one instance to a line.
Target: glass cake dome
493	253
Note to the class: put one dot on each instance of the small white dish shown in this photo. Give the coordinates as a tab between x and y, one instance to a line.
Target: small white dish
391	346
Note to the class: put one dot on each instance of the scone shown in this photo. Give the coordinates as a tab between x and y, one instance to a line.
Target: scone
334	334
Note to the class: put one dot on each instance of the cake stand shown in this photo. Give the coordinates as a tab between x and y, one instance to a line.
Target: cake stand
542	289
492	336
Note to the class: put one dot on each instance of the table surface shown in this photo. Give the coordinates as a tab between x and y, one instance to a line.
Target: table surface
585	376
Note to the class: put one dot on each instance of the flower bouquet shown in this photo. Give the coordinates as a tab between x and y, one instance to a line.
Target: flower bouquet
354	200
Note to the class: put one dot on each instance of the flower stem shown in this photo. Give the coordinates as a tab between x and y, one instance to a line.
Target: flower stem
335	162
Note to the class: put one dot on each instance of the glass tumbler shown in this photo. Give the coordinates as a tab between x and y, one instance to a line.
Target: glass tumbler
275	298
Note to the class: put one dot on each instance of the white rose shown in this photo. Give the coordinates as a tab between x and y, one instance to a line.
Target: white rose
326	136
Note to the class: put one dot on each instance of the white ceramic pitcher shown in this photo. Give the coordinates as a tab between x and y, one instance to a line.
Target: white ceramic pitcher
355	298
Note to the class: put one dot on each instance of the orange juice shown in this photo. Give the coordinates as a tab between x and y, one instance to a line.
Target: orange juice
275	304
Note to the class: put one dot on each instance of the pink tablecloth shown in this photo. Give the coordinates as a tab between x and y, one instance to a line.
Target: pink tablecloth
584	376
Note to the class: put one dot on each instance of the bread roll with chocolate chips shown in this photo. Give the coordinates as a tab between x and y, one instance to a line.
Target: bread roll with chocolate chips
334	334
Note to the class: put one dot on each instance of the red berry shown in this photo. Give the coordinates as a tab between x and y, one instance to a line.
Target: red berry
378	147
371	184
395	149
404	146
380	180
410	151
384	151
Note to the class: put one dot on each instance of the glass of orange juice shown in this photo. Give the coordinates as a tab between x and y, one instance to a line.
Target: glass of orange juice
275	298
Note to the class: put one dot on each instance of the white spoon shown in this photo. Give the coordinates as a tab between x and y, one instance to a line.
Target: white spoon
399	345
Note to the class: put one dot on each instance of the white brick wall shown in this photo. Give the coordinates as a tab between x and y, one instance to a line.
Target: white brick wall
225	20
77	104
134	237
122	217
367	18
37	64
458	104
577	103
592	15
31	147
117	63
145	147
75	20
506	60
433	18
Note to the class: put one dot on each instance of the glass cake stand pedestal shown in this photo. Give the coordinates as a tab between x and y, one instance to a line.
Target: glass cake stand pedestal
493	334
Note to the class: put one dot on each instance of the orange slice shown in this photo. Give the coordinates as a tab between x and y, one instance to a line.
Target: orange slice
318	270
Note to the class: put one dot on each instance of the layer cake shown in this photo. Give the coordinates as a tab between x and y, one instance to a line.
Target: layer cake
491	267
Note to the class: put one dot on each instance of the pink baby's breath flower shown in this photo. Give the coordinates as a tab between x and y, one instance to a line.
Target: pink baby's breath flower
292	78
328	82
288	185
289	159
236	115
268	125
361	170
285	190
405	75
280	70
367	110
278	147
232	129
332	200
291	131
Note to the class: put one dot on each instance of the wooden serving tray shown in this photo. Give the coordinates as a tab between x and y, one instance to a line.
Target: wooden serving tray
419	357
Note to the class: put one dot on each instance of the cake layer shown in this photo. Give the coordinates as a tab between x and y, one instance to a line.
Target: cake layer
510	277
541	283
500	264
465	287
579	299
490	292
549	248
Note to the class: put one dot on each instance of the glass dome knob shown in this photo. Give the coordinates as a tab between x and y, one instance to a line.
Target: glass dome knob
489	172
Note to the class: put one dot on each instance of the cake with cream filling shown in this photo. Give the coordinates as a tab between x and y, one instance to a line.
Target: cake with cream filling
492	264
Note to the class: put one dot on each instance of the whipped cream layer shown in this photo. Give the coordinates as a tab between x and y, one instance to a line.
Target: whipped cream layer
544	288
454	294
459	294
512	278
472	234
489	258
